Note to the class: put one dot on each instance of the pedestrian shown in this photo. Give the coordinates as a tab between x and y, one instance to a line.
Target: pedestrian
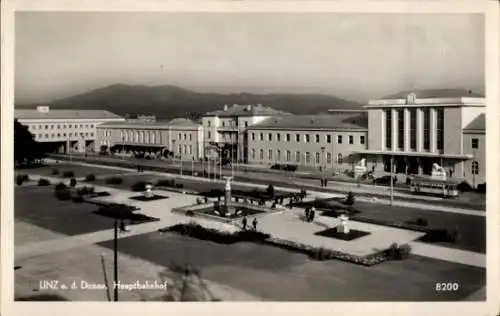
311	214
123	227
326	183
244	222
254	223
307	213
206	199
291	204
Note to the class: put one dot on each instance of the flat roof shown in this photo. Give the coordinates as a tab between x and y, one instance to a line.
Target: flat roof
178	122
434	93
246	110
337	121
34	114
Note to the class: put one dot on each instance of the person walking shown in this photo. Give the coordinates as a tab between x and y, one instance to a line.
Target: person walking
244	222
307	213
311	214
254	223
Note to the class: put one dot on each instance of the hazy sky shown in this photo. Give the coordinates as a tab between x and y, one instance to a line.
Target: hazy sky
353	56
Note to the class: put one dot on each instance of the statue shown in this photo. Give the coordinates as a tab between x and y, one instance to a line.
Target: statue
227	196
148	193
362	162
438	172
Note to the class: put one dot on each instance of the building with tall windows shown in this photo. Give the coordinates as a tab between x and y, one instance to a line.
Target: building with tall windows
309	140
64	131
181	138
417	129
225	130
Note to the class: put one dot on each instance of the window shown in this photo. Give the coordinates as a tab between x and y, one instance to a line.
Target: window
318	158
328	158
401	129
91	125
297	156
308	157
184	136
262	154
329	139
413	129
223	124
288	155
179	136
46	135
64	134
307	138
209	135
287	137
278	155
475	167
58	126
270	136
261	136
87	134
317	138
440	129
339	139
475	143
46	127
52	135
339	158
190	149
253	153
39	126
246	123
209	123
253	136
70	134
427	128
270	154
51	126
362	139
190	137
351	139
81	125
278	137
388	129
70	126
58	134
297	138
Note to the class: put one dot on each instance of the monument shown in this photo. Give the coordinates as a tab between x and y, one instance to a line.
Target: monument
343	228
227	208
148	193
360	169
438	172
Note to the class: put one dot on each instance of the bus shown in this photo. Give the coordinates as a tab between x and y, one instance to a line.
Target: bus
444	188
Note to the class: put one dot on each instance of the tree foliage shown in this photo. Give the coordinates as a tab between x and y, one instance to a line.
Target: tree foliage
26	149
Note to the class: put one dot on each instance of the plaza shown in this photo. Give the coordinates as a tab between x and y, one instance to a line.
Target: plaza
64	240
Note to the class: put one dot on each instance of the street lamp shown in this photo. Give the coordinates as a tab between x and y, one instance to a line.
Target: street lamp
323	166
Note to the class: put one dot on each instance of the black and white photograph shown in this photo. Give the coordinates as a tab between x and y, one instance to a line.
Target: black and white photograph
251	156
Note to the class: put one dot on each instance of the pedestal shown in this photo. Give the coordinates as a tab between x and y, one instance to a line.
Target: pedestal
343	228
148	193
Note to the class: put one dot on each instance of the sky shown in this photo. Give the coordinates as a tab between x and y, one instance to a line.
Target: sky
354	56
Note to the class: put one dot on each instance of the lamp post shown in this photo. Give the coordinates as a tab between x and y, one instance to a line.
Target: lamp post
68	147
192	166
115	261
84	146
323	166
123	147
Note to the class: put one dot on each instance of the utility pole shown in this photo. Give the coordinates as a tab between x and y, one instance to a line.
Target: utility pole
322	166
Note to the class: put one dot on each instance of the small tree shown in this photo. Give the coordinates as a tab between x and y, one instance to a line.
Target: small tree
349	199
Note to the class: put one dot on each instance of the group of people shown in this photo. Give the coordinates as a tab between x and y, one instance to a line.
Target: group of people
324	182
310	213
140	168
244	223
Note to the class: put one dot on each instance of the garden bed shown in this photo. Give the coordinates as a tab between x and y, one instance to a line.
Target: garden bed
143	198
351	235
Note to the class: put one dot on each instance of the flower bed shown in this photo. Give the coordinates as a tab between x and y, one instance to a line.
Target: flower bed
402	225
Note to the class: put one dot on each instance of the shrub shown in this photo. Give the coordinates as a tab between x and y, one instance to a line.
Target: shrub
349	199
464	186
90	177
72	182
441	235
403	252
114	180
43	182
60	186
55	172
68	174
270	190
421	221
139	186
63	194
481	188
190	213
163	182
392	251
21	178
77	198
85	190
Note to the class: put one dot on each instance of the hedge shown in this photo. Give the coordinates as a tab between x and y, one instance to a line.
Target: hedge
114	180
43	182
68	174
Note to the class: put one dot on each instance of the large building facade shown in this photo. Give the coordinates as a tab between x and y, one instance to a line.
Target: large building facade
180	138
225	131
309	140
65	131
417	129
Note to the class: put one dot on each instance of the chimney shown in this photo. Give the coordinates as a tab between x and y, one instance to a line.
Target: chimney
225	107
249	107
43	109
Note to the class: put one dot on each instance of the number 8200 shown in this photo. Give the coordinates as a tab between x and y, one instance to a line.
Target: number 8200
447	286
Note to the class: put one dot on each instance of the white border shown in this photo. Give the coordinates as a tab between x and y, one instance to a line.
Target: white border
491	307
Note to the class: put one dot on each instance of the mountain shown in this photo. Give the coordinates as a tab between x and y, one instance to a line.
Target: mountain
170	101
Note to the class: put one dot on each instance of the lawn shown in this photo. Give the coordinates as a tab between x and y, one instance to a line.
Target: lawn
39	206
279	275
79	171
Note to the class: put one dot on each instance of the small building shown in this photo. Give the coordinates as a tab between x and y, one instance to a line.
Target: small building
418	129
225	130
180	138
309	140
63	131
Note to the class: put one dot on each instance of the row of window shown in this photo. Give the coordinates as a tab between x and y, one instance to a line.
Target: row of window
231	123
298	158
52	126
184	135
58	135
307	138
